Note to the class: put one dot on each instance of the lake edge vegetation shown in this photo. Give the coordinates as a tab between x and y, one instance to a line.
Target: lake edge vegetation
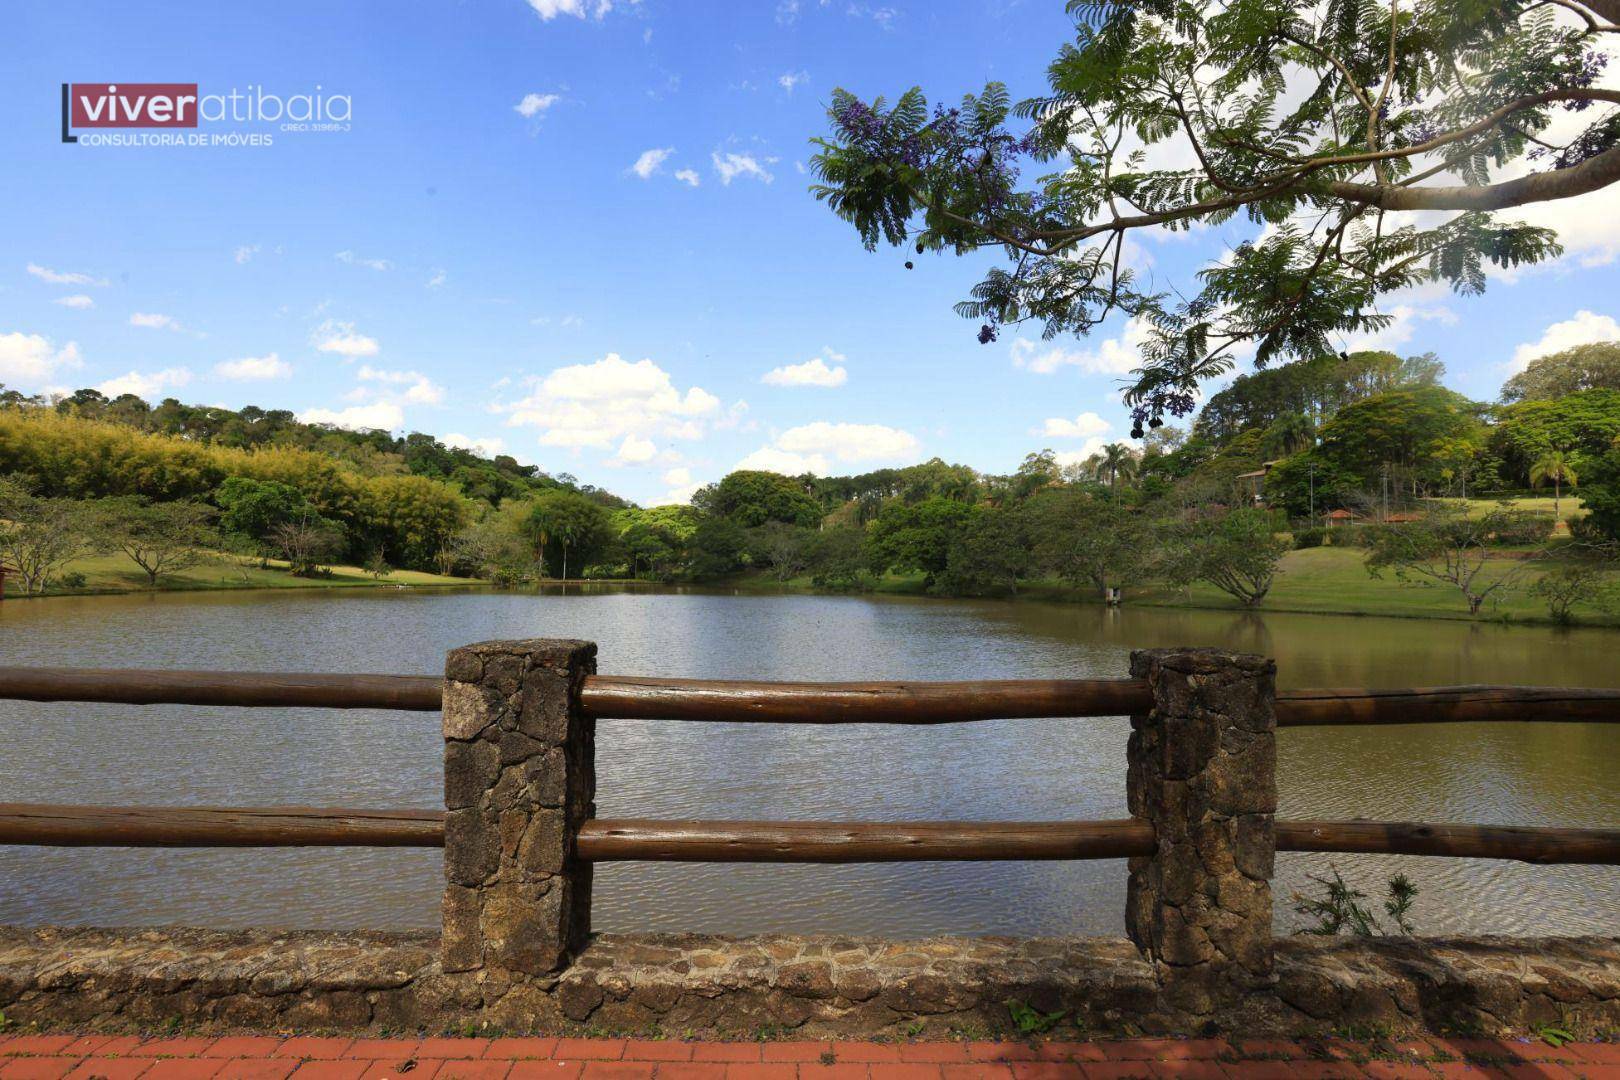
1366	453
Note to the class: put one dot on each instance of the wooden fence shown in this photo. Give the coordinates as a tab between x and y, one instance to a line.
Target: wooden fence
519	726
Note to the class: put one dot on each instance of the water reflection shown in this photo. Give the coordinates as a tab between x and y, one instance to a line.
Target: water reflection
1043	769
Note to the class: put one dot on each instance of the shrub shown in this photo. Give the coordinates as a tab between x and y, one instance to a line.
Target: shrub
1311	536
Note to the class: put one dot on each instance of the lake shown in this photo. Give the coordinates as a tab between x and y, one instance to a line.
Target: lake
1528	774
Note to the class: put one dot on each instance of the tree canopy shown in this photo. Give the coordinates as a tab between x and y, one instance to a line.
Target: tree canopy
1320	122
1585	367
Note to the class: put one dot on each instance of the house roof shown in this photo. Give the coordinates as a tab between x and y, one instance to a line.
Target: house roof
1341	514
1251	475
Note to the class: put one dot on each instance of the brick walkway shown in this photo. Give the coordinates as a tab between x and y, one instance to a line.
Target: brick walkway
106	1057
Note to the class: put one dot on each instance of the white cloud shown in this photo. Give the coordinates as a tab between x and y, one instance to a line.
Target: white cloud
29	358
772	459
439	278
486	447
579	9
77	302
270	366
787	12
533	106
245	253
1085	426
420	390
849	442
792	79
63	277
1404	319
812	448
600	403
154	321
681	487
359	260
147	385
736	418
730	166
383	415
688	177
813	372
570	322
1585	328
341	338
1112	356
1065	458
651	161
635	450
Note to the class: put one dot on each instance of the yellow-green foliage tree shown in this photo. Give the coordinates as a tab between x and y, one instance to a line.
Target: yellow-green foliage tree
410	517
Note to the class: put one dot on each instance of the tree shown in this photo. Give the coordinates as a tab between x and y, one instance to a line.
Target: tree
307	542
38	537
1585	367
918	537
1553	465
751	498
718	546
1086	540
1584	424
785	549
568	521
1116	462
1571	582
1402	429
160	538
254	508
1405	107
989	555
1602	494
1447	547
838	559
1238	555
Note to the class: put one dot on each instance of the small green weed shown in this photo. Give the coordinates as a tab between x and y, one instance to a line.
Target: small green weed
1031	1021
1337	909
1554	1036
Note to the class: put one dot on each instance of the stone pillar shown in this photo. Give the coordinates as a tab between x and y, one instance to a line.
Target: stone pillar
519	780
1203	769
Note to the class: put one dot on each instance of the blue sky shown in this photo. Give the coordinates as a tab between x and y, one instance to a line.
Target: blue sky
478	255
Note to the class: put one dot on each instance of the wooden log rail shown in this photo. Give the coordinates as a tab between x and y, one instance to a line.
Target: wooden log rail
625	698
609	840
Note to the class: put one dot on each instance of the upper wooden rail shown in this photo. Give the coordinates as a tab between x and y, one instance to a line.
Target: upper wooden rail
609	840
622	697
147	686
630	839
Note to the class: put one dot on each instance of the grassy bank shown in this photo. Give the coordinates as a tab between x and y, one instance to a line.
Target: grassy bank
118	574
1322	581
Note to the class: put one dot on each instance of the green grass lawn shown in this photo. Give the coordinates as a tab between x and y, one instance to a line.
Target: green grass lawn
117	573
1334	580
1324	581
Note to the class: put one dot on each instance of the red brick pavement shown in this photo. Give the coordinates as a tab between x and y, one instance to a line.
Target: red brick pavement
239	1057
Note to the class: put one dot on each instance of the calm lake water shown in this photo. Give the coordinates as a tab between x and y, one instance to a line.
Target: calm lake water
111	754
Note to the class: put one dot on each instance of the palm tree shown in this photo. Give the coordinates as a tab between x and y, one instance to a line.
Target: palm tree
1553	465
1116	462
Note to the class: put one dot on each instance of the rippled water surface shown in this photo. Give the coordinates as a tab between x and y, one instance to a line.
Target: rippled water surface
1564	774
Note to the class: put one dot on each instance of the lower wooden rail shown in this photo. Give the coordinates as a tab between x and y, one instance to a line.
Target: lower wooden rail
210	826
1522	843
621	840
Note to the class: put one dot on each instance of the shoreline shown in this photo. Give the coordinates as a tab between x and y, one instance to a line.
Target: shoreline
1316	581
